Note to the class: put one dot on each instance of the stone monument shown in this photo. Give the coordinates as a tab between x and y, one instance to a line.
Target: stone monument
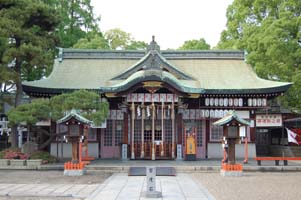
151	184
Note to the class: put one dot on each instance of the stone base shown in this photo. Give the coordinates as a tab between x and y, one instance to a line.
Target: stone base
155	194
75	172
190	157
231	173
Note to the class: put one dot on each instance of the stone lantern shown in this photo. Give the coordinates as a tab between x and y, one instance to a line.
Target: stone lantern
231	124
76	125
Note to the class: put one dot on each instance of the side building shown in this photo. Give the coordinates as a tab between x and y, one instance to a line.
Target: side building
156	97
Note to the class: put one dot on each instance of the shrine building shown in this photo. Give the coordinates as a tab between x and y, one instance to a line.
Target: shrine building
157	97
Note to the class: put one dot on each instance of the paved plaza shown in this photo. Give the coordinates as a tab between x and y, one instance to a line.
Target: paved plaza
122	187
192	184
71	191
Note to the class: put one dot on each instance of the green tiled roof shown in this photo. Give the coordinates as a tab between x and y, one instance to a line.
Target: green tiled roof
211	72
231	116
152	75
152	58
74	114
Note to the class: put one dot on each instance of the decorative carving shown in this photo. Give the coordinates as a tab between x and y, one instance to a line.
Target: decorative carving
153	45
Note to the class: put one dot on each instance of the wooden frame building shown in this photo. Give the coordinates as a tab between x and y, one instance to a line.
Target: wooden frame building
155	95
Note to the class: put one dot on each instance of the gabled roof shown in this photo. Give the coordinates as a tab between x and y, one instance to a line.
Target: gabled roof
151	75
229	118
73	114
153	60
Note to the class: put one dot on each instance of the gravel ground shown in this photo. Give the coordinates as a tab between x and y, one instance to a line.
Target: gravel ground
251	186
50	177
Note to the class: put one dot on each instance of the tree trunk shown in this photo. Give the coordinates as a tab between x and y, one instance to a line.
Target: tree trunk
28	133
18	98
51	138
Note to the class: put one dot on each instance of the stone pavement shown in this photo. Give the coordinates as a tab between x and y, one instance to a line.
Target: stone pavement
120	186
74	191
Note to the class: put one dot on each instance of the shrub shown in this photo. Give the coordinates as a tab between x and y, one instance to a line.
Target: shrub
13	153
45	156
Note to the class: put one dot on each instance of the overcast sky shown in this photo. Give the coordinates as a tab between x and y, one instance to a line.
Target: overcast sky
171	21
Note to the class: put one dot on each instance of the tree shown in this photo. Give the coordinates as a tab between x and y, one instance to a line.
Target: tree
28	27
92	41
76	20
136	45
112	39
200	44
270	33
30	113
119	39
86	102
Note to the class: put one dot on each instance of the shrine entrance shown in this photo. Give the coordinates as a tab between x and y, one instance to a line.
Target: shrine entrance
162	139
152	126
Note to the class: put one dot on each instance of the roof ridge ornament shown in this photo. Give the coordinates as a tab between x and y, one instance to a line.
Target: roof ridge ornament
153	46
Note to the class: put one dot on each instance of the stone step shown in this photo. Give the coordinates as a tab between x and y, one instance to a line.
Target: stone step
180	169
160	171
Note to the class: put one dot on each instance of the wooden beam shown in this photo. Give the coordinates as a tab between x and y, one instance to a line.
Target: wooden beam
142	129
133	131
153	131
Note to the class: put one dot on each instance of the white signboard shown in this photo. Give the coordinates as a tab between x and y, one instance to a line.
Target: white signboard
148	97
179	152
268	120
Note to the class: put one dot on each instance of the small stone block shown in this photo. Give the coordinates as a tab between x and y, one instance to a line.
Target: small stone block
231	173
77	172
154	194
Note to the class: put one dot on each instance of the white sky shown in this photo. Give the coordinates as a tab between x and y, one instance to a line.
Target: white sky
171	21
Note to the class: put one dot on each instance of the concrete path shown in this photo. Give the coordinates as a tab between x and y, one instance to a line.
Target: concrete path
79	191
120	186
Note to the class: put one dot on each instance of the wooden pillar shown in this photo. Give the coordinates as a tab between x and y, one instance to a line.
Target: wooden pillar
252	129
208	128
80	151
179	120
231	151
162	129
246	149
74	151
86	133
133	131
153	131
173	130
126	128
142	129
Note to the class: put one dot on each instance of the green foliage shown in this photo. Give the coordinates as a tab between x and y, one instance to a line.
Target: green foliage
117	38
45	156
76	20
27	39
200	44
55	108
112	40
93	40
30	113
87	102
136	45
270	33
